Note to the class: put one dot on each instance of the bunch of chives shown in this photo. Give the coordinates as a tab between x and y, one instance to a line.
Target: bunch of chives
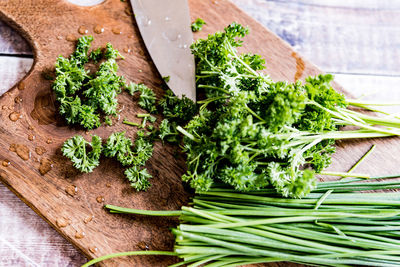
327	228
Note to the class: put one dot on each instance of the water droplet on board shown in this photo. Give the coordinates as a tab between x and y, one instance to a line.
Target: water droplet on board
167	19
21	150
45	166
80	234
100	199
59	37
108	185
98	29
62	222
142	245
88	219
131	36
31	137
83	30
93	249
21	86
70	38
14	116
127	50
49	141
71	190
40	150
116	30
18	99
30	127
6	163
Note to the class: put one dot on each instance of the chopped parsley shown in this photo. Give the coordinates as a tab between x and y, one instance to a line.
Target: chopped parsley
83	154
197	25
82	97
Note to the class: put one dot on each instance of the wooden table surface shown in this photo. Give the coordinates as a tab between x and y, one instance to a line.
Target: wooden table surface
357	40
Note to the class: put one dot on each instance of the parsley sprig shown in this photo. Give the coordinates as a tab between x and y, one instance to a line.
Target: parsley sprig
84	97
197	25
83	154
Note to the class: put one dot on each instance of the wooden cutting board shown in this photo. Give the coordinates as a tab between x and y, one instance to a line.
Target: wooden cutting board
31	132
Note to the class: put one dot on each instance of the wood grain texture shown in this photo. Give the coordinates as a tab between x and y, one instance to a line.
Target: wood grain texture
54	202
345	36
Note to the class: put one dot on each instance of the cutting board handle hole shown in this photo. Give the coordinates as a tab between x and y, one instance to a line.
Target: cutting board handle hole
86	2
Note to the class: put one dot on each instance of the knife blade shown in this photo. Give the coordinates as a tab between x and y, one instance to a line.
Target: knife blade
165	29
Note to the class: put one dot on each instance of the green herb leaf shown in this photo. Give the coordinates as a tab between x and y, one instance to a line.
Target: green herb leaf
83	154
197	25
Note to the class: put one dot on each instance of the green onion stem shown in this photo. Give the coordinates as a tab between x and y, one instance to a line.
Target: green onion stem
128	253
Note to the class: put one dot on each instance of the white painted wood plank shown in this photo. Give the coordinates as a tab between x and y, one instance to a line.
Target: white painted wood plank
27	240
339	36
373	88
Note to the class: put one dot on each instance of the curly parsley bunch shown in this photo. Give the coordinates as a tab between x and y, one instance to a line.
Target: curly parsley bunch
252	132
84	97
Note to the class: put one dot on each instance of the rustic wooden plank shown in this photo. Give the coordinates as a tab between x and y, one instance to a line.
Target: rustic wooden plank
338	36
27	240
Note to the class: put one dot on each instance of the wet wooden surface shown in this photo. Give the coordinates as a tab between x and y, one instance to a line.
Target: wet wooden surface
356	40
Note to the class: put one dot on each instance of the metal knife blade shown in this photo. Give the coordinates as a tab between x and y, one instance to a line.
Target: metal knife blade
165	28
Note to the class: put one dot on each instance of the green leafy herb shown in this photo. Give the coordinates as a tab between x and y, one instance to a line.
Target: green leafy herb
132	88
108	121
111	53
179	110
143	149
252	132
119	146
96	55
166	78
147	99
83	154
84	98
168	132
138	178
197	25
129	154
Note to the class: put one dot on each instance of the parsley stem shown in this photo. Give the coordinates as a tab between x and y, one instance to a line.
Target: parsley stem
356	102
184	132
131	123
142	115
254	114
